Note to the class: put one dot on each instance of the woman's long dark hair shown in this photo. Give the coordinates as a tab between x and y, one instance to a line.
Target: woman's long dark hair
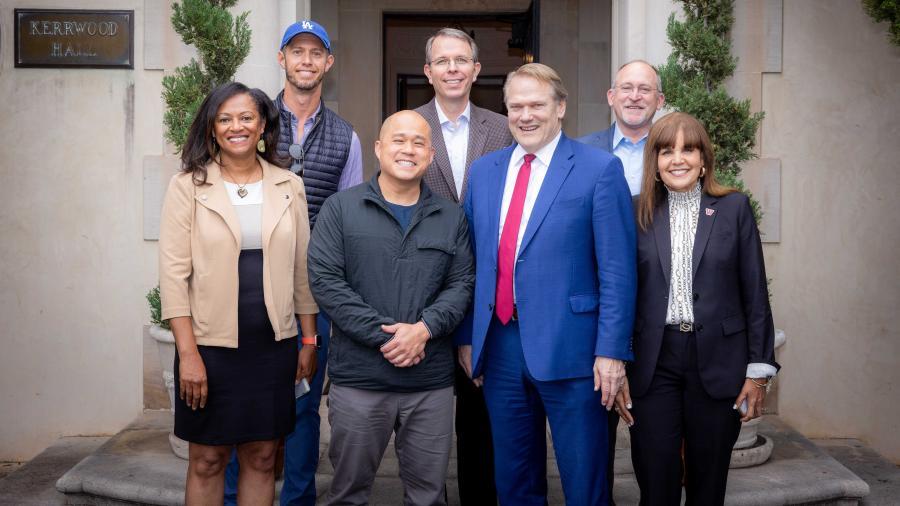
200	148
662	135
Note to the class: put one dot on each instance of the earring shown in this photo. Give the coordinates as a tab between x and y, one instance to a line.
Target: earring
261	146
656	177
702	171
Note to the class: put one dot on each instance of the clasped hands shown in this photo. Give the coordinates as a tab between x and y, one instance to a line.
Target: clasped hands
407	347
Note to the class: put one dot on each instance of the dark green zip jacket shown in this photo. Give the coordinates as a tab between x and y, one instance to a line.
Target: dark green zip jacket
365	271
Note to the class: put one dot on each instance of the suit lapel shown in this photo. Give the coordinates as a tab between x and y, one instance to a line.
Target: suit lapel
610	135
215	198
275	200
704	226
441	158
495	199
476	142
560	166
663	238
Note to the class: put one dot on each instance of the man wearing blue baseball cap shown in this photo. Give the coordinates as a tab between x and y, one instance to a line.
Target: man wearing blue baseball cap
326	153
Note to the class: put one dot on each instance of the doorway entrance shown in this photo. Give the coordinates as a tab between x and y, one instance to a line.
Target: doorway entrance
505	41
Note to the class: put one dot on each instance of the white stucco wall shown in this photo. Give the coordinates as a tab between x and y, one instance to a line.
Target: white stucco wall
832	122
73	259
833	118
75	265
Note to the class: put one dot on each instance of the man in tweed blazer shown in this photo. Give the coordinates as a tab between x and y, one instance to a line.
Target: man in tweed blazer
462	133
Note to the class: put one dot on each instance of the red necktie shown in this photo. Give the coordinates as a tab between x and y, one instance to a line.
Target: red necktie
506	254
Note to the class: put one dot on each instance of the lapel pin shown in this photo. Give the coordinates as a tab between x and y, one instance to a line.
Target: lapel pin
710	212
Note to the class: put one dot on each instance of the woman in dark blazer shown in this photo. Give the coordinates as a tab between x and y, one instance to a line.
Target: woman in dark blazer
703	334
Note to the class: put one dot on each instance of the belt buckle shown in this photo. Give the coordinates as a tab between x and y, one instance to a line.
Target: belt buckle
686	327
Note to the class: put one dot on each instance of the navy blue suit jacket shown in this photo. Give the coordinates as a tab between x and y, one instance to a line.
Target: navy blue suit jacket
602	139
575	275
732	316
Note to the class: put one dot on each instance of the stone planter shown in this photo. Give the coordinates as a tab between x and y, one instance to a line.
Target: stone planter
165	343
751	449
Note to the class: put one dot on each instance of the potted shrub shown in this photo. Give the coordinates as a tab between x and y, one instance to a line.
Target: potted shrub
165	345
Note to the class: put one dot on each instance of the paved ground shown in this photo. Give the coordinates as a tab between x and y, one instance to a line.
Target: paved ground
882	476
136	464
8	467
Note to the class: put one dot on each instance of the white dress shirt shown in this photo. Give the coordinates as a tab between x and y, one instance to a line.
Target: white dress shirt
456	139
539	167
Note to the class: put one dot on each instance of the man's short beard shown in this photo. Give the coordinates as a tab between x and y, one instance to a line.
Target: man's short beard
304	86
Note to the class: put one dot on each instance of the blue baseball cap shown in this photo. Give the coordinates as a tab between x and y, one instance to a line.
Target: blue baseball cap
306	26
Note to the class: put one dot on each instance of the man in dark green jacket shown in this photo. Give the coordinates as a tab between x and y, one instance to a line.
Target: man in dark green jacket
391	263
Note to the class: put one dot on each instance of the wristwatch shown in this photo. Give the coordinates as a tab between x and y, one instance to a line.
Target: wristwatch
315	340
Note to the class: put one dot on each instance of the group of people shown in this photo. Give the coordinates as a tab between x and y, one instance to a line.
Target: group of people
538	278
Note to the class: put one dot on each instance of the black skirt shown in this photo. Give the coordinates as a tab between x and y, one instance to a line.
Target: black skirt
251	387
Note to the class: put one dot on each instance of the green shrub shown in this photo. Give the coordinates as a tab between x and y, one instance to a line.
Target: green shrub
693	81
222	43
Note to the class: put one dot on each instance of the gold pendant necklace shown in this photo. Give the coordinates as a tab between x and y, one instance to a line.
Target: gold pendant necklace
242	188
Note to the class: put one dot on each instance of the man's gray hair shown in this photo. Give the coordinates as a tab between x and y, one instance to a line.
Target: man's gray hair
655	72
453	33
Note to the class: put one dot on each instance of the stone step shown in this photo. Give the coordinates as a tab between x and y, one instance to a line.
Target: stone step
137	466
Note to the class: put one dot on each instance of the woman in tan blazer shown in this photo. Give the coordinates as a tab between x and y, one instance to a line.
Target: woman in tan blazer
232	264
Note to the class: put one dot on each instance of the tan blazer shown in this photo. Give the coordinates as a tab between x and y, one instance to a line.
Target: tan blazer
199	245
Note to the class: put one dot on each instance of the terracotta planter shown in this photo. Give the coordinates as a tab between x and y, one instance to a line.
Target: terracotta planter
165	344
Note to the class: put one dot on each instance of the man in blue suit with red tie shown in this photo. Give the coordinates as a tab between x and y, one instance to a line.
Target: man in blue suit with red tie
554	240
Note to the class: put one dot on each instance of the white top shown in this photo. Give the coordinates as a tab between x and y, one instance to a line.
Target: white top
539	167
456	139
249	212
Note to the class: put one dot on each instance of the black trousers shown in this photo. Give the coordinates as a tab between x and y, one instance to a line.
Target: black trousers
474	449
676	408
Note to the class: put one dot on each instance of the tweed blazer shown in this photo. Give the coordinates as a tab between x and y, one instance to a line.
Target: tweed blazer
199	246
488	132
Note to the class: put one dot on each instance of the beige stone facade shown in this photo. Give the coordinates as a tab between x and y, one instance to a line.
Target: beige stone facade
85	161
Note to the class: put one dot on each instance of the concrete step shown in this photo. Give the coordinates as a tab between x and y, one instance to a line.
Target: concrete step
136	466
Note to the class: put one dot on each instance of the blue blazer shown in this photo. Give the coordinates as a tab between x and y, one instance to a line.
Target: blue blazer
575	276
602	139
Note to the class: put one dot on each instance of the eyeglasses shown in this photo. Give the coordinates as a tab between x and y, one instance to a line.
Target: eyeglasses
628	89
460	61
296	152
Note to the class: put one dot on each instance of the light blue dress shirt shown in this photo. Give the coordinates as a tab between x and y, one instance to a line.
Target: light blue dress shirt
632	156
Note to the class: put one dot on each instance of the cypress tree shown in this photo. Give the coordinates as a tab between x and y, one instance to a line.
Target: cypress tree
693	79
222	42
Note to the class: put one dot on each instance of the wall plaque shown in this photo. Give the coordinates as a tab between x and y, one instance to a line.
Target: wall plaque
74	38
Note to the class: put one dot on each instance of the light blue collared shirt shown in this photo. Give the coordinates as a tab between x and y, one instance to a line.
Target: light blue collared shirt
352	173
632	156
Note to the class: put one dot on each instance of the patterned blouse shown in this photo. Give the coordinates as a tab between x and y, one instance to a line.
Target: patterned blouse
684	210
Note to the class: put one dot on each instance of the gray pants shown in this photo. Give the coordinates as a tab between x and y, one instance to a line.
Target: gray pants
362	422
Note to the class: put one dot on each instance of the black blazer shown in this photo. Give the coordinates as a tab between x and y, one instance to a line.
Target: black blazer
732	316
